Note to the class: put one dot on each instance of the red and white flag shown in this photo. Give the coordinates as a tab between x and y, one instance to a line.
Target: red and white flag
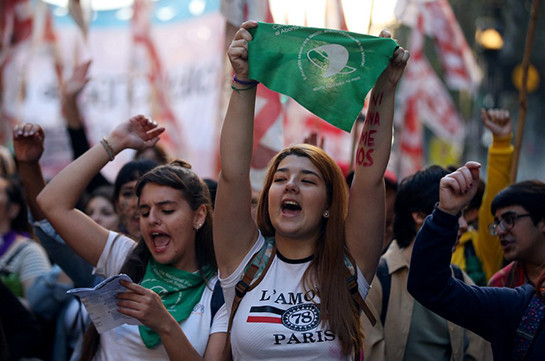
423	98
439	23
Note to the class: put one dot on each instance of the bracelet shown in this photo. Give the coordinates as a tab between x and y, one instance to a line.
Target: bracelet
108	148
244	82
238	90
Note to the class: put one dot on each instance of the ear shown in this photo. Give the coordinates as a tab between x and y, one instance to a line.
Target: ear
199	217
418	218
13	211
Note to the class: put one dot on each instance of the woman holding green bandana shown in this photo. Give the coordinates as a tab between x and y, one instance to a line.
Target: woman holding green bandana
172	265
302	306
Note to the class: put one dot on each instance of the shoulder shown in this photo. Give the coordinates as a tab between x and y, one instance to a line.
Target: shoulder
114	254
26	248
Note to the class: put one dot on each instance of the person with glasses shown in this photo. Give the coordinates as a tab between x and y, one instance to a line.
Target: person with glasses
499	315
479	253
518	209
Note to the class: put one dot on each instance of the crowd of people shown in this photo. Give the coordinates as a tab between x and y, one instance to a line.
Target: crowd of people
440	265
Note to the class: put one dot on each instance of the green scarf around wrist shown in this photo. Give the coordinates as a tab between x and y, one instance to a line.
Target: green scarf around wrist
179	290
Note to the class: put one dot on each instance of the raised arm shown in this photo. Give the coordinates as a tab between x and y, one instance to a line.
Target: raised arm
59	197
366	212
500	156
28	145
234	228
430	279
70	92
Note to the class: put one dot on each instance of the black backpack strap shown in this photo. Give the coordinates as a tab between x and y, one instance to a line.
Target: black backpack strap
383	275
531	322
15	253
217	300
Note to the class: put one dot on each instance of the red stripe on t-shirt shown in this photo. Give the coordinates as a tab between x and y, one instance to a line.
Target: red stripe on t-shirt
264	319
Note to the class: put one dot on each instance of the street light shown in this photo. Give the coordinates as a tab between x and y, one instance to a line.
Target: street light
489	39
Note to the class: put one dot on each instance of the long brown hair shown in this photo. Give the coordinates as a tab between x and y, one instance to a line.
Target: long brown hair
177	175
327	269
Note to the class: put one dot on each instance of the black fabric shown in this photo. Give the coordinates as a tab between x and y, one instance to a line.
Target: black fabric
22	336
217	300
80	144
383	275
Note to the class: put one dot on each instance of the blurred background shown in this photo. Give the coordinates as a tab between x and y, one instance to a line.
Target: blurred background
166	58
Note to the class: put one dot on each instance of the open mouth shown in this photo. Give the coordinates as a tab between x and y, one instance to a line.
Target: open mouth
290	207
160	241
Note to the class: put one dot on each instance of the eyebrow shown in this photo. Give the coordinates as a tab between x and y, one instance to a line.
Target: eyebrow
162	203
304	171
507	214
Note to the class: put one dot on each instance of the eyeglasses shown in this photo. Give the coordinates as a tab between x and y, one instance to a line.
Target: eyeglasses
506	223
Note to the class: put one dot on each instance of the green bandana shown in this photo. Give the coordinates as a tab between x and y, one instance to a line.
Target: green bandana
179	290
329	72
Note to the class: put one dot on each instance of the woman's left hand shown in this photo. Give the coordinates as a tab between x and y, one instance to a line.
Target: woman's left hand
393	72
144	305
138	133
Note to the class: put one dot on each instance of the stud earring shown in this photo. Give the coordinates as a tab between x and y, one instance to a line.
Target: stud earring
326	214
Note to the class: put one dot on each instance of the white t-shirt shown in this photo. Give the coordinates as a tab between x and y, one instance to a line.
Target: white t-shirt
124	342
277	320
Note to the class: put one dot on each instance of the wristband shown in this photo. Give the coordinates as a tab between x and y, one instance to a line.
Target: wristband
108	148
238	90
244	82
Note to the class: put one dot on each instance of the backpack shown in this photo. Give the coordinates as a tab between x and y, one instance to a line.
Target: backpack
255	271
529	325
383	275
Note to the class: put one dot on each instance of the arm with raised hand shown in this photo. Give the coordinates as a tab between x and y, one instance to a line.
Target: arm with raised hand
58	199
234	228
366	213
500	156
70	91
28	145
430	279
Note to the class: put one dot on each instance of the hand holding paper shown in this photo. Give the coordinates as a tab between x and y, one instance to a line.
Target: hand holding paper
101	303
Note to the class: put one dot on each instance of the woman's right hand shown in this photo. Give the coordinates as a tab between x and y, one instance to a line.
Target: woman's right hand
138	133
28	142
238	50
